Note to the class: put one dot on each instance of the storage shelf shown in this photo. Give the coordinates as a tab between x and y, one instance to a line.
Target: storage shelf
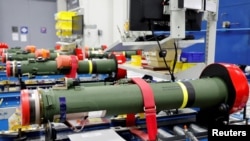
66	43
167	43
152	45
186	74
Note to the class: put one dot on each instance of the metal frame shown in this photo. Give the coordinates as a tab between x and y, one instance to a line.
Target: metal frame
211	18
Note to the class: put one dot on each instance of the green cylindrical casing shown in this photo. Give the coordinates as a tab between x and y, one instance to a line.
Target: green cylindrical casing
37	67
53	55
95	54
101	66
19	56
128	54
49	67
13	49
122	99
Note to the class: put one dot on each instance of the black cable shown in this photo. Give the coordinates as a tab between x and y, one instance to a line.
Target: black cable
175	57
171	72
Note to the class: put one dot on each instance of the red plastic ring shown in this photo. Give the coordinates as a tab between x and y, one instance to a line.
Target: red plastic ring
241	87
8	69
25	107
3	57
79	53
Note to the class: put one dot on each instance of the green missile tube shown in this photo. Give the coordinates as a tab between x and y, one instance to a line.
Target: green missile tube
13	49
40	53
18	49
62	65
93	54
28	48
99	53
17	56
212	89
128	54
3	51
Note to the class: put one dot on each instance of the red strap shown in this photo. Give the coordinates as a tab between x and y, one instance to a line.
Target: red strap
74	67
149	107
130	120
139	133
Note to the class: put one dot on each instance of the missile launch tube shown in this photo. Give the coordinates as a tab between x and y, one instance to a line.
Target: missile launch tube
42	53
12	49
62	65
17	56
95	53
39	106
98	66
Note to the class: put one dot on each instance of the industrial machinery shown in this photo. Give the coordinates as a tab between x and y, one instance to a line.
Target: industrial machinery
224	85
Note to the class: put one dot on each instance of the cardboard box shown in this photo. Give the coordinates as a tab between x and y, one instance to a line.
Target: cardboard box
154	55
159	64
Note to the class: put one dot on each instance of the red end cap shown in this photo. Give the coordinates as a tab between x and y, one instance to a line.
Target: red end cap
139	52
79	53
121	73
8	69
1	51
120	58
25	107
241	87
4	45
86	54
236	81
104	47
57	47
3	57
